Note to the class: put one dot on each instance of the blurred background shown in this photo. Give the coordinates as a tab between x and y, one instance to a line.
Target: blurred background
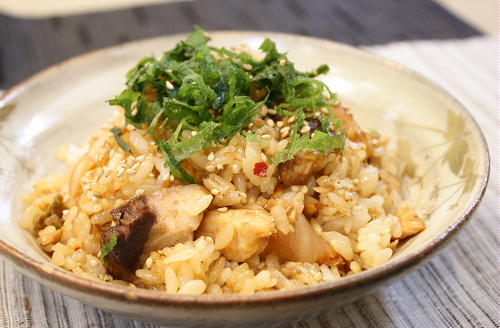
35	34
453	42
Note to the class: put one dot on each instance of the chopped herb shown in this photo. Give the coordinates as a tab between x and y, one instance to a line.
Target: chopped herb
109	246
215	94
117	132
252	137
321	141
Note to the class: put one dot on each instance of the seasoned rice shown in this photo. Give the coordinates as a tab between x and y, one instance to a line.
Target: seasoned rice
248	225
354	205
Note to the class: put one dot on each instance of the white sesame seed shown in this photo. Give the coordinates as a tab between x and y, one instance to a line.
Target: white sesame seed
279	124
266	137
292	119
324	110
263	157
215	191
210	156
282	62
317	114
305	129
140	158
171	178
135	109
210	168
222	209
65	212
169	85
135	166
131	171
250	125
270	122
151	175
235	168
285	129
139	192
130	127
248	67
193	133
220	166
284	134
120	172
86	187
271	111
168	71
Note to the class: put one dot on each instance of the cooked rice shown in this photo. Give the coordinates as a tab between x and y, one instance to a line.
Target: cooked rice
354	204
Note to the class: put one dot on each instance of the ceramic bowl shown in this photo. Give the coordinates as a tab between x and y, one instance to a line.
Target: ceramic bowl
442	144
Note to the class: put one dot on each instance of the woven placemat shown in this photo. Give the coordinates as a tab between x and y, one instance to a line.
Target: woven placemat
29	45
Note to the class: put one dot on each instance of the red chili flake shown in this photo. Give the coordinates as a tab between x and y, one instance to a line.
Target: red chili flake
260	169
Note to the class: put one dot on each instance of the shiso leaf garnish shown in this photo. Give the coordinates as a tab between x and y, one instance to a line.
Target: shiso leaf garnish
215	93
117	132
109	246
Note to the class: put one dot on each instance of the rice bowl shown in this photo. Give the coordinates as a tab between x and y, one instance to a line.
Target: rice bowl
43	117
254	213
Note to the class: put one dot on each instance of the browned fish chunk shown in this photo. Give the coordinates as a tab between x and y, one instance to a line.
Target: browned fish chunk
299	169
53	215
134	222
152	222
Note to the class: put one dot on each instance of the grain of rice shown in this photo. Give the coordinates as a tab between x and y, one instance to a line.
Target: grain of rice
193	287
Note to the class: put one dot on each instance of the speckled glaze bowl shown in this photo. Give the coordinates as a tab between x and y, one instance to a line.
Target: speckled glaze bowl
442	143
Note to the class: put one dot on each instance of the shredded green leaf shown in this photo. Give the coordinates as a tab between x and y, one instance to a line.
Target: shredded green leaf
215	94
117	132
321	141
252	137
109	246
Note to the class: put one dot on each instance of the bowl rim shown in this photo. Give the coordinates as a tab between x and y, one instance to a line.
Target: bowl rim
43	271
